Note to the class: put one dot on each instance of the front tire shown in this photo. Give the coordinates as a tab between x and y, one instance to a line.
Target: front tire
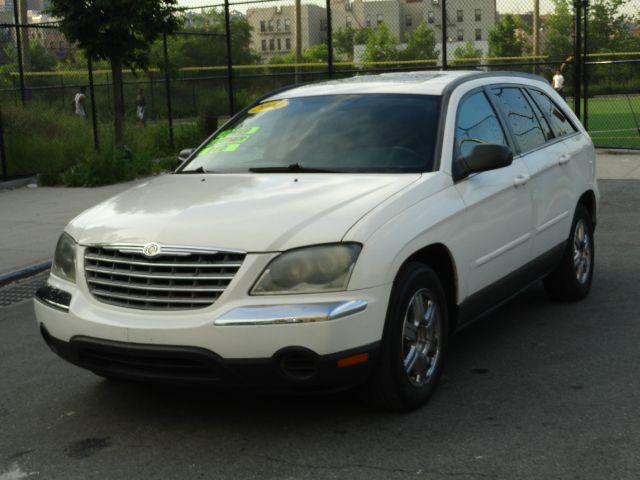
414	343
571	280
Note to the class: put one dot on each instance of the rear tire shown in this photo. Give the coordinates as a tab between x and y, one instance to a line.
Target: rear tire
571	280
414	343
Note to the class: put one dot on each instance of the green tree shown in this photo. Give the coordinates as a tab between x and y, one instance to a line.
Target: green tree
381	45
467	54
209	48
508	37
558	29
314	54
345	39
119	31
421	44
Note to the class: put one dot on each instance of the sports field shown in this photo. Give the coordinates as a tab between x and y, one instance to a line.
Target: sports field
614	121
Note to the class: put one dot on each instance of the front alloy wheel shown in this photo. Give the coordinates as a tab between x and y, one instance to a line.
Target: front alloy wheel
421	338
414	343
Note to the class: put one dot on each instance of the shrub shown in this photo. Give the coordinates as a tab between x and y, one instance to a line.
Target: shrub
59	147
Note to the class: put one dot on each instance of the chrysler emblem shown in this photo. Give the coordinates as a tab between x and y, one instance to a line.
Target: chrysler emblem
151	249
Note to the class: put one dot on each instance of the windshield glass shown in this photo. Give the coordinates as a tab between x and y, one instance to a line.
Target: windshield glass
340	133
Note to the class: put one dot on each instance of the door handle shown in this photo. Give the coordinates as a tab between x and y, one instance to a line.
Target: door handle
521	180
564	159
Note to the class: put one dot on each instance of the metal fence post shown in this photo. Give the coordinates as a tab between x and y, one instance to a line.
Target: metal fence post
92	92
3	154
16	17
577	57
329	40
227	27
168	88
444	34
585	67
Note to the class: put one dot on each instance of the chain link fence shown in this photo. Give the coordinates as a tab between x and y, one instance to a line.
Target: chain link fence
227	54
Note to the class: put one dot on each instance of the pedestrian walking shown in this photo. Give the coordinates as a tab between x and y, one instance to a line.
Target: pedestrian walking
558	83
78	103
140	107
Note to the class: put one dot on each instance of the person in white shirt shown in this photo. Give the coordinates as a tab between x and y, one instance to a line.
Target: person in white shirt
78	101
558	82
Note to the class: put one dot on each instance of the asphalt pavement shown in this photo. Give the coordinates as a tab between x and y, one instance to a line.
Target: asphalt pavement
537	390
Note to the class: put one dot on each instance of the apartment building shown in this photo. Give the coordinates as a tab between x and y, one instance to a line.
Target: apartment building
274	28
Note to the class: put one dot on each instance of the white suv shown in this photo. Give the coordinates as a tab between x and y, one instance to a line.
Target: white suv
330	235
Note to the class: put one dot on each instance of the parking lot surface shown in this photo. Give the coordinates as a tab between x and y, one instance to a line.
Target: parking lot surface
536	390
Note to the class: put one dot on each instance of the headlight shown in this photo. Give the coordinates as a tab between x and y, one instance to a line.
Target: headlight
324	268
64	260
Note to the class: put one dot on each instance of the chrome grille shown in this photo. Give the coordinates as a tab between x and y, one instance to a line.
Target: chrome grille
177	279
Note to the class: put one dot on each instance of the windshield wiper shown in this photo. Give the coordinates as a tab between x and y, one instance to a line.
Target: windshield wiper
294	167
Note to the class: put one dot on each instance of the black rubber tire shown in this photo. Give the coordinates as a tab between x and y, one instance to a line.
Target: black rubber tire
389	386
562	284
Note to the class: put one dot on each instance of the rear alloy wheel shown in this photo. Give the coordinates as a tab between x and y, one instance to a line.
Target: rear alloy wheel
414	342
571	280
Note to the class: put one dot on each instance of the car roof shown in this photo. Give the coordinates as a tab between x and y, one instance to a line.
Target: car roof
421	83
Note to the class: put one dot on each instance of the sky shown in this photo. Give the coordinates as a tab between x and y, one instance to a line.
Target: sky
503	6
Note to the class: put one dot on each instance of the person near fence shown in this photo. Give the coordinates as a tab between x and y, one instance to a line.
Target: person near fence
78	103
140	107
558	82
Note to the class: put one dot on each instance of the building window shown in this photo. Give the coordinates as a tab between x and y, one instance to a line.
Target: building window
263	26
380	22
272	44
430	18
264	45
270	25
368	20
436	2
278	26
478	15
287	25
287	44
460	36
323	24
279	45
408	20
348	22
478	34
459	16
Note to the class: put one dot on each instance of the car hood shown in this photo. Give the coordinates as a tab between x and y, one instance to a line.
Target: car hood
251	212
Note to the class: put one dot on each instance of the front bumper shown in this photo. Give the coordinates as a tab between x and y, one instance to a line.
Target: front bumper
318	342
290	369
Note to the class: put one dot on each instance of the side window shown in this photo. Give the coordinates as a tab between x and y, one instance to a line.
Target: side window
546	129
524	124
559	122
476	123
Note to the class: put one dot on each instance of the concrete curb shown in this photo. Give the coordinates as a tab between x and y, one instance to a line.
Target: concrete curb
6	278
18	182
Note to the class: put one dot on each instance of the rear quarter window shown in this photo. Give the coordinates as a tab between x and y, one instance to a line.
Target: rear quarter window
559	121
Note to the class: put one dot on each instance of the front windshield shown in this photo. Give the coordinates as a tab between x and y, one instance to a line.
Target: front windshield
339	133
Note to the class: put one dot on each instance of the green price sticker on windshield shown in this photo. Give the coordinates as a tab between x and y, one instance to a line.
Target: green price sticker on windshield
229	140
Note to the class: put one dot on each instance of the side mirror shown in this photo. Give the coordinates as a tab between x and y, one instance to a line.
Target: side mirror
483	157
184	155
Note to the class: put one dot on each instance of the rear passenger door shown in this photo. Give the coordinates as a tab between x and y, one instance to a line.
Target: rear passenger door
543	152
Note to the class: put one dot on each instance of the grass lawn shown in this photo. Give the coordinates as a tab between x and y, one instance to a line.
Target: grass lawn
611	121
